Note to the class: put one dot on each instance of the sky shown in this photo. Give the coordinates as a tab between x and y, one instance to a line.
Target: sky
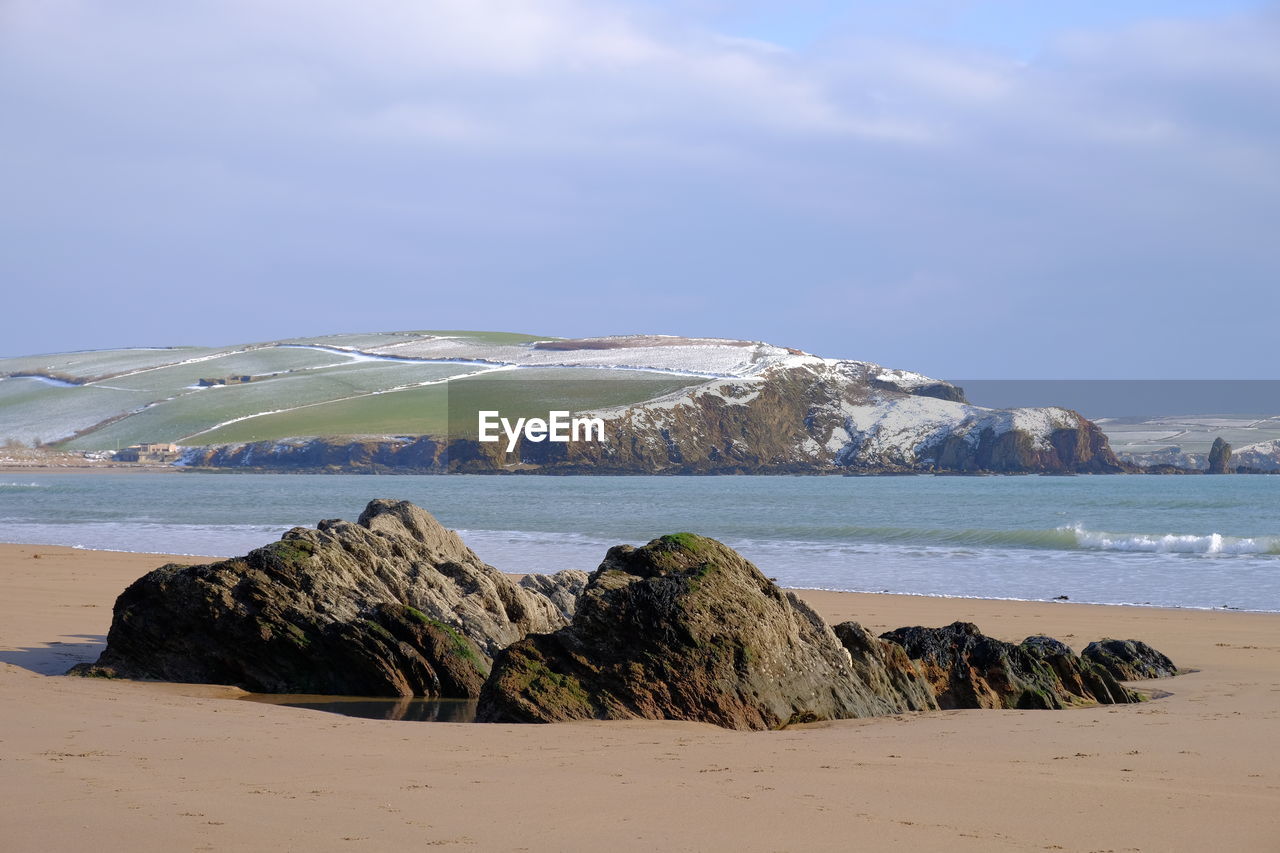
982	189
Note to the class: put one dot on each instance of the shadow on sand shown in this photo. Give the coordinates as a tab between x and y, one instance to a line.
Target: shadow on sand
55	658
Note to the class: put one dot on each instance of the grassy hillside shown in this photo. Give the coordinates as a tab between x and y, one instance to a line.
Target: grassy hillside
397	383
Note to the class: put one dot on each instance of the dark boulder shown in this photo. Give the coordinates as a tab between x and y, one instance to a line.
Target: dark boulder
683	628
1220	457
1079	677
393	604
971	670
1129	660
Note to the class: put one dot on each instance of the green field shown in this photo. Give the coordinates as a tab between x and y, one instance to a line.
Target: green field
187	417
98	363
32	411
174	378
302	387
427	411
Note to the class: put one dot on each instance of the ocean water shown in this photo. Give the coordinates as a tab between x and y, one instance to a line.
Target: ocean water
1172	541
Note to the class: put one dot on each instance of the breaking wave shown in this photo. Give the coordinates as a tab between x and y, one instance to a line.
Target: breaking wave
1173	543
1074	537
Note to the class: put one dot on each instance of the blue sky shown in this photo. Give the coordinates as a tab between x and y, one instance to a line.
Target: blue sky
1020	28
999	189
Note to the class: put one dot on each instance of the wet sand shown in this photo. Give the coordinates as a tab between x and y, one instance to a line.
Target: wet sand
105	765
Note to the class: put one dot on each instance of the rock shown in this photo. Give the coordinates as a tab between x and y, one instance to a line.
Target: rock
970	670
885	668
561	589
393	604
1220	457
1129	660
683	628
1078	676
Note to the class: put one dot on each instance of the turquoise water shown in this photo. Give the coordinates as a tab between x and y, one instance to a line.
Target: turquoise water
1180	541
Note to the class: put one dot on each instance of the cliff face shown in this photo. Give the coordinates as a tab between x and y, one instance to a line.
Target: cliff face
819	416
801	415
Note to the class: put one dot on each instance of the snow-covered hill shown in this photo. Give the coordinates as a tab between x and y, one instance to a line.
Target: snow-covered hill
672	404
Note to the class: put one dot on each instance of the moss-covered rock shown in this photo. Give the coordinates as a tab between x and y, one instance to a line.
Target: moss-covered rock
686	629
1129	660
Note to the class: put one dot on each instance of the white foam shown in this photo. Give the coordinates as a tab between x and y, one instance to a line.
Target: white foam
1173	543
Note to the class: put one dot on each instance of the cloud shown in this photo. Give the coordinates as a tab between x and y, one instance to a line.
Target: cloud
585	163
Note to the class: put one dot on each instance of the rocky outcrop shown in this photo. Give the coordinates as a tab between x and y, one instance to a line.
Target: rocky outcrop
561	589
970	670
895	679
393	604
1220	457
799	414
1077	675
421	454
820	416
683	628
1129	660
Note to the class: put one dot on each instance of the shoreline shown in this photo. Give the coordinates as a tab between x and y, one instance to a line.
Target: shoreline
194	559
88	466
179	766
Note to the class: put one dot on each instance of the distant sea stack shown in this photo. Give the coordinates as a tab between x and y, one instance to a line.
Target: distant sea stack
1220	457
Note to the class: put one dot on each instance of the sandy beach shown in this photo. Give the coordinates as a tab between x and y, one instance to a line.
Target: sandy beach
132	766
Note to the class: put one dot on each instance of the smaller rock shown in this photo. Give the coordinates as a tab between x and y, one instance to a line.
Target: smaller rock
1129	660
968	669
1079	676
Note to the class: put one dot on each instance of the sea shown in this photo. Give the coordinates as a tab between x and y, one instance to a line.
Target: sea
1189	541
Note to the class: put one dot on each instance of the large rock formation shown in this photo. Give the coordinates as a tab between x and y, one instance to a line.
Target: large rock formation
1220	457
684	628
970	670
393	604
1129	660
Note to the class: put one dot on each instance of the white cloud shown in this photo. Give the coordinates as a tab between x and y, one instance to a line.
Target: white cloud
600	140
